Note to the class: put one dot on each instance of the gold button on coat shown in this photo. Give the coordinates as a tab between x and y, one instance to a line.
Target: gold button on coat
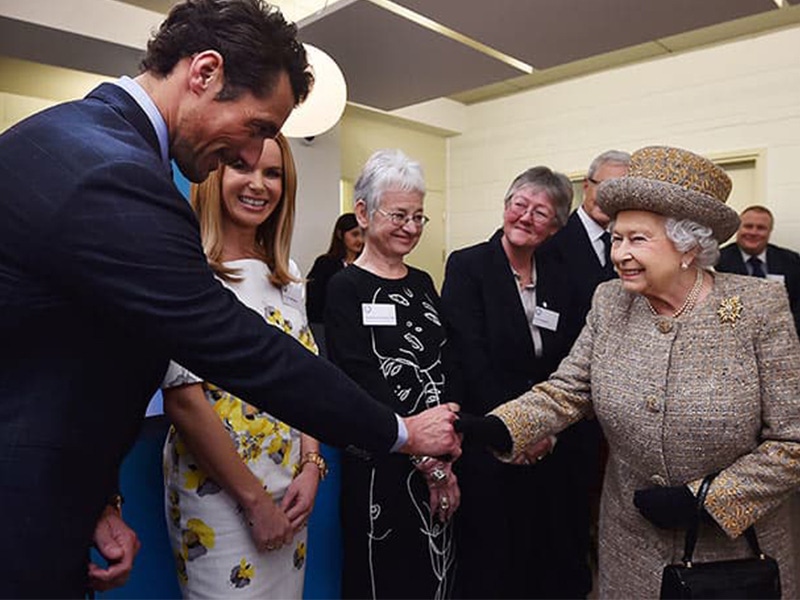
664	325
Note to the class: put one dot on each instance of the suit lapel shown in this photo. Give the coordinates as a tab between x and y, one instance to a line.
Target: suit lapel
504	296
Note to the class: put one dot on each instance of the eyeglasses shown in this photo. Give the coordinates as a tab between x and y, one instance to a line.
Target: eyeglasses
519	208
399	219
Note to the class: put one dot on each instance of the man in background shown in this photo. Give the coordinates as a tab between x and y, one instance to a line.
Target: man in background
752	254
103	279
583	245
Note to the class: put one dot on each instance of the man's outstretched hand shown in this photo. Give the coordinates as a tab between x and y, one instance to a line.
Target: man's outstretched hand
431	432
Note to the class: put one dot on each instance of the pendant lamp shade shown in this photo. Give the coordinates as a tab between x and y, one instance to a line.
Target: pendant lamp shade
325	103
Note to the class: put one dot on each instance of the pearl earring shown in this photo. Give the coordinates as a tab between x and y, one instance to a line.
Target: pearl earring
684	266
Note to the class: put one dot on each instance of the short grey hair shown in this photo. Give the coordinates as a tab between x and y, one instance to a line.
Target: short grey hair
686	234
617	157
555	185
387	170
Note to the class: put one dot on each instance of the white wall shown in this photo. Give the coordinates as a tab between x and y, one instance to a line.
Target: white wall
318	174
740	96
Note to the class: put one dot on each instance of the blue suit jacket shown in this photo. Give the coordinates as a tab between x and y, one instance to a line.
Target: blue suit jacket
780	261
102	280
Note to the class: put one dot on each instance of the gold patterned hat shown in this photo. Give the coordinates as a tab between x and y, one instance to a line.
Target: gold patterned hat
675	183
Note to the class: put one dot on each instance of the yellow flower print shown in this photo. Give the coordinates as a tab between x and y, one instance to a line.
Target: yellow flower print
174	508
300	555
306	338
196	479
180	565
198	538
242	574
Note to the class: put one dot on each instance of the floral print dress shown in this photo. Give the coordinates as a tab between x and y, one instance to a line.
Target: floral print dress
214	553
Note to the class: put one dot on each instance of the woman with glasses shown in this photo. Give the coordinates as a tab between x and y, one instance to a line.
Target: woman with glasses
522	531
383	329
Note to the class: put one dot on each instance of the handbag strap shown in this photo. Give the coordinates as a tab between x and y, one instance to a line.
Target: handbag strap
691	532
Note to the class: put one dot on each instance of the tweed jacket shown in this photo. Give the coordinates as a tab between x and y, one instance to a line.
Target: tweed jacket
714	390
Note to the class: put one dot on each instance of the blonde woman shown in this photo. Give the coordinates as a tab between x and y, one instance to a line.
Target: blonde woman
240	484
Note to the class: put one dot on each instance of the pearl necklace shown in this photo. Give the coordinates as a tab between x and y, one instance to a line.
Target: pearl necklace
691	298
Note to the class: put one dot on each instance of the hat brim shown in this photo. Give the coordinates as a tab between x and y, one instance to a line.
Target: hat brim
639	193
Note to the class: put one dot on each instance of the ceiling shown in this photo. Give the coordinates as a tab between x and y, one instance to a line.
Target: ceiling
403	52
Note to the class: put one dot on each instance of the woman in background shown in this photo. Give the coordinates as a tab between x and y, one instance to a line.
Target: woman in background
347	242
511	317
239	484
384	331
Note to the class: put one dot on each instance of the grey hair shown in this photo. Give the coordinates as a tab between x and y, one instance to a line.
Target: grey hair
617	157
387	170
687	234
555	185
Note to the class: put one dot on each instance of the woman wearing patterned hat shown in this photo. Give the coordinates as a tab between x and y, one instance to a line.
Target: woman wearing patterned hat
689	372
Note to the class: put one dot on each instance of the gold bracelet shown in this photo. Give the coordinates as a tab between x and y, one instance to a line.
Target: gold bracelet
315	458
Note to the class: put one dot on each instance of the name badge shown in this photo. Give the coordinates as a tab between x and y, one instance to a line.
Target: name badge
777	277
292	295
378	314
545	318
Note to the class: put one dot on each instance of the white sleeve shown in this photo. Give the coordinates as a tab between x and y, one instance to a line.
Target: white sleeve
177	375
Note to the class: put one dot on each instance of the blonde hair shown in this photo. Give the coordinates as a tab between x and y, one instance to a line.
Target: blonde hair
273	236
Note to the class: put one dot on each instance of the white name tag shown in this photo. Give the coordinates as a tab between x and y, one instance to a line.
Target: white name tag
378	314
777	277
545	318
292	295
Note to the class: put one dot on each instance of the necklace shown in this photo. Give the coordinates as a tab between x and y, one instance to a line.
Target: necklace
691	298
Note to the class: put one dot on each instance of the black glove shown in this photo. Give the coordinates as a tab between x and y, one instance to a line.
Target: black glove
486	431
667	507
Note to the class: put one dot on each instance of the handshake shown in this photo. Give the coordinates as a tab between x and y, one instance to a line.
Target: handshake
433	433
440	431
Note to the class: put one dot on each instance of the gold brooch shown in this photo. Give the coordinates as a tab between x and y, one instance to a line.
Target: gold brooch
730	309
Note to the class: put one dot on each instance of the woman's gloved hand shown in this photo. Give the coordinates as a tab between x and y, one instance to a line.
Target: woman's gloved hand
667	507
486	431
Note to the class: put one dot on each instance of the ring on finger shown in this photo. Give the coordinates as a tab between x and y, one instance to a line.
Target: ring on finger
417	460
444	503
438	475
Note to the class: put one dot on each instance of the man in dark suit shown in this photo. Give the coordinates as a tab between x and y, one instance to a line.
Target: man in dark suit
103	280
752	254
583	245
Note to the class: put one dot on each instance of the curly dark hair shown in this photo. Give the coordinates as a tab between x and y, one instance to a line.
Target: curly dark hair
255	41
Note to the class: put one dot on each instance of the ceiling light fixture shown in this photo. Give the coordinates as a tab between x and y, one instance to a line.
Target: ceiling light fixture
325	103
424	21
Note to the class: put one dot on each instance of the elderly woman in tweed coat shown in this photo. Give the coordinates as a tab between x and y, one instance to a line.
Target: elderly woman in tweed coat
689	372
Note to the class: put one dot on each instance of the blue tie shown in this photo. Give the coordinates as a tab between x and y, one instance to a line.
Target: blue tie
756	270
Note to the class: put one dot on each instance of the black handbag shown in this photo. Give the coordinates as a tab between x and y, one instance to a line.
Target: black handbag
756	577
